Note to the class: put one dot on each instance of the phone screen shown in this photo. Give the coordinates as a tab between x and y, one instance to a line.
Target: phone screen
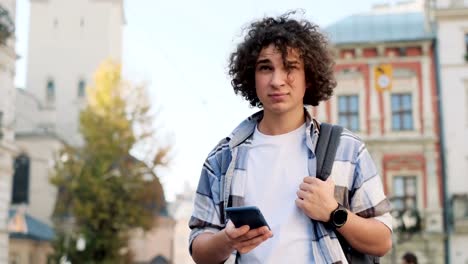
246	215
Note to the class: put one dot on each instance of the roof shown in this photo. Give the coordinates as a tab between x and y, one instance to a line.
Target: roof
371	28
34	229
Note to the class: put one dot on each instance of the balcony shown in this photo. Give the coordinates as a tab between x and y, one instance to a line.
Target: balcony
7	26
460	213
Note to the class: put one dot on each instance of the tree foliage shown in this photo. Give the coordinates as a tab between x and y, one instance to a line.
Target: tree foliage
103	190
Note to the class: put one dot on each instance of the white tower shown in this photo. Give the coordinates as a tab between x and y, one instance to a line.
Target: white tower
7	117
68	39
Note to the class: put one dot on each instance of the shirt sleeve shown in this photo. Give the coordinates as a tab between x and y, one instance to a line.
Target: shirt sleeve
207	213
368	199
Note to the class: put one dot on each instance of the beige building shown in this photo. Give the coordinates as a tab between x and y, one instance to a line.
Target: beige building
30	239
451	17
182	211
156	245
28	251
7	115
397	117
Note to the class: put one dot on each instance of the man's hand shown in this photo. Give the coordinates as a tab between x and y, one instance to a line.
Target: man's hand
316	198
243	239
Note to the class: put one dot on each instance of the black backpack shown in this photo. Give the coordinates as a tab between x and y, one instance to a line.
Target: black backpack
328	142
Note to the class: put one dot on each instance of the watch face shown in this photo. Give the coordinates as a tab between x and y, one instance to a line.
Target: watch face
339	217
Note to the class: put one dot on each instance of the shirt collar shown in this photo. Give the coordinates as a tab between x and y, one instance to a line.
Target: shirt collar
245	129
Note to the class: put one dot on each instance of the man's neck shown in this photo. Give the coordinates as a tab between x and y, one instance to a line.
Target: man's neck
272	124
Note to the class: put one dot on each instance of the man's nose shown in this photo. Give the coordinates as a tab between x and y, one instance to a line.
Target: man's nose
278	78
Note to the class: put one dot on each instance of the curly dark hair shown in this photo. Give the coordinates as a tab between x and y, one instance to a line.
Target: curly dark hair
285	33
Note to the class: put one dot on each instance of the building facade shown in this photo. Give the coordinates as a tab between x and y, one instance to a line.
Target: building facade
7	115
182	209
30	239
396	118
67	42
155	245
451	19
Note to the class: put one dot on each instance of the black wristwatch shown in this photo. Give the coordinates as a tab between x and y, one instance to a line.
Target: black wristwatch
338	217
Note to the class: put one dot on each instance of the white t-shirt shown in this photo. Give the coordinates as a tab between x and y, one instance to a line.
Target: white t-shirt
276	165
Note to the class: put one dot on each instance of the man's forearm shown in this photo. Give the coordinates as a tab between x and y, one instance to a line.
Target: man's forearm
367	235
211	248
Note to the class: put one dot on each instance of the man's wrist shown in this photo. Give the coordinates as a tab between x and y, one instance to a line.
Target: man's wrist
338	217
227	245
331	210
227	241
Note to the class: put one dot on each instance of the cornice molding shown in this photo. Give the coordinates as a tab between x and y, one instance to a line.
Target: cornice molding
451	12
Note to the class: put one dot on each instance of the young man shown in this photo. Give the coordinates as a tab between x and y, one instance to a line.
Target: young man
268	161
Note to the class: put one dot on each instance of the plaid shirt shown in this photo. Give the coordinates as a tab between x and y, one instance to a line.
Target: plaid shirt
358	186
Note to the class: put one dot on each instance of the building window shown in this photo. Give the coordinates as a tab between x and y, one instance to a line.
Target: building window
348	112
460	206
81	88
404	193
20	192
466	103
466	47
402	112
50	90
1	124
15	258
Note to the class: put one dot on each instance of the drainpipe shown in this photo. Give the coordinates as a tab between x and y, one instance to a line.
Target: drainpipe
446	203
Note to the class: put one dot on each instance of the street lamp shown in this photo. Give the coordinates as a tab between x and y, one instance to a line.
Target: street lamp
64	260
81	243
405	224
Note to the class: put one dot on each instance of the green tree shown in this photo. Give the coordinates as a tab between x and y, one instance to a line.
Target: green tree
103	190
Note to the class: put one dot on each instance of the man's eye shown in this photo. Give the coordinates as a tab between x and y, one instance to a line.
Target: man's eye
264	68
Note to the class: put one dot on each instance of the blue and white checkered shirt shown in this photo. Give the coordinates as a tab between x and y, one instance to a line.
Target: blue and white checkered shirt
358	186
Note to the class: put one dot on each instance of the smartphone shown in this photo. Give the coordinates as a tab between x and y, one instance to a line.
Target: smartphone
246	215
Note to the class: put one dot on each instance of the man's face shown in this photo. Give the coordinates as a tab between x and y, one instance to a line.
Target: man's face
280	89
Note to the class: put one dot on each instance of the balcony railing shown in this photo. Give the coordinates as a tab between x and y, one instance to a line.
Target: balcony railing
7	26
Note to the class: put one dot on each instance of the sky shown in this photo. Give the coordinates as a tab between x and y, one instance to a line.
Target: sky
181	49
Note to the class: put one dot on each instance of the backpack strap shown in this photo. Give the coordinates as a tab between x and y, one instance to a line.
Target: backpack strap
325	151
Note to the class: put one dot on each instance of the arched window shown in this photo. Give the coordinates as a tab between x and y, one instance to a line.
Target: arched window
50	90
20	192
81	88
